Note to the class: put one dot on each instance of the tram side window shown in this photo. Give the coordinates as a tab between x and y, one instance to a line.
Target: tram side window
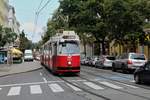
44	50
50	49
55	49
47	49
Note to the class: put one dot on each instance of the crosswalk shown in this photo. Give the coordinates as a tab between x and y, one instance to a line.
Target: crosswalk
59	88
35	89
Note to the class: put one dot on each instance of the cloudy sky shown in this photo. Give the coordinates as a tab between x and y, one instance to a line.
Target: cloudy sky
25	13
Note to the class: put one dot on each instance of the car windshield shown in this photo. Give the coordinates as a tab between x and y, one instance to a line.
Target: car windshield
137	56
69	48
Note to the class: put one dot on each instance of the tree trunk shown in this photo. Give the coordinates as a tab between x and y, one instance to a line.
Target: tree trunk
134	45
103	47
84	45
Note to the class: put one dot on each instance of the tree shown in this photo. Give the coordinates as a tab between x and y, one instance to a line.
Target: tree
6	36
121	21
51	30
125	23
24	42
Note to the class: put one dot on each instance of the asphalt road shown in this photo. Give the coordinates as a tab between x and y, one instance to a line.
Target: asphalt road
91	84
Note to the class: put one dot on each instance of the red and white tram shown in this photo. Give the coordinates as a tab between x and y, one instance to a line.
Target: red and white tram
61	53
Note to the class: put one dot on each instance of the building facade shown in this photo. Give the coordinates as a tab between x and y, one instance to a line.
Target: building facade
117	49
4	9
12	21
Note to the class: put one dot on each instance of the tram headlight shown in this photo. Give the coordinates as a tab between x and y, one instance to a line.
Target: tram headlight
69	63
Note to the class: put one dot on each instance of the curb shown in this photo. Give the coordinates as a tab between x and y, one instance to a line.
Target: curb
21	72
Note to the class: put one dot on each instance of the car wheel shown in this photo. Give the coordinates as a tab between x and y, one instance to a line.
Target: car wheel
137	79
113	68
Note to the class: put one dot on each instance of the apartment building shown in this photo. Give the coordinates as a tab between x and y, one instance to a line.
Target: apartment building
4	9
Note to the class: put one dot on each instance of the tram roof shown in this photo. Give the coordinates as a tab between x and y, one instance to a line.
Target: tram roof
65	36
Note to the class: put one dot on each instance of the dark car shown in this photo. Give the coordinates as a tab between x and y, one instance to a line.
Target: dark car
142	74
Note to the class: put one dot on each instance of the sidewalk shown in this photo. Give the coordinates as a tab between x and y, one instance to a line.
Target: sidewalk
18	68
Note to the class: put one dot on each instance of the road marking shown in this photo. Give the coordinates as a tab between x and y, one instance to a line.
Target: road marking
132	81
41	74
92	85
0	88
73	87
35	83
56	88
111	85
45	80
128	85
32	83
77	80
35	89
14	91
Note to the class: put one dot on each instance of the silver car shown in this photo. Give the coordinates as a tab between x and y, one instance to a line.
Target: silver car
129	62
105	61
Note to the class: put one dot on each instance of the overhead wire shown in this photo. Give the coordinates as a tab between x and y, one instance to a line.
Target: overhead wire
39	5
37	15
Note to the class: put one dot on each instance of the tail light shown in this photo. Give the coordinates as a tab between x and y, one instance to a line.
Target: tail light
129	62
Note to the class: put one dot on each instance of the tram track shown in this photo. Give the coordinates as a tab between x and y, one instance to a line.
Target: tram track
112	73
83	77
85	90
89	73
97	71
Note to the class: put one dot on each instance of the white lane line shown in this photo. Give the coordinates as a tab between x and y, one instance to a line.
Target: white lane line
0	88
41	74
35	83
111	85
45	80
56	88
132	81
35	89
32	83
128	85
74	87
77	80
14	91
92	85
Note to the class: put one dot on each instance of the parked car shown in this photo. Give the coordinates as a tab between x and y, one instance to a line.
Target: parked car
37	57
28	55
105	61
87	60
90	61
129	62
142	74
94	60
82	61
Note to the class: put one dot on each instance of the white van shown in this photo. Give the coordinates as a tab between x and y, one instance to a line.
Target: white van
28	55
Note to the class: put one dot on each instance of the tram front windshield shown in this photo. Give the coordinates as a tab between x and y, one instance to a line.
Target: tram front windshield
69	48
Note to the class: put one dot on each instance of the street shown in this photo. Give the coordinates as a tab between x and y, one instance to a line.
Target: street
91	84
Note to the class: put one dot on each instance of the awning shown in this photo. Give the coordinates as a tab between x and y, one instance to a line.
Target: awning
15	51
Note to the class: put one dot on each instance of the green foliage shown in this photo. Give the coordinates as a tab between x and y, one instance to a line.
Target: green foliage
24	42
50	31
121	21
6	36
